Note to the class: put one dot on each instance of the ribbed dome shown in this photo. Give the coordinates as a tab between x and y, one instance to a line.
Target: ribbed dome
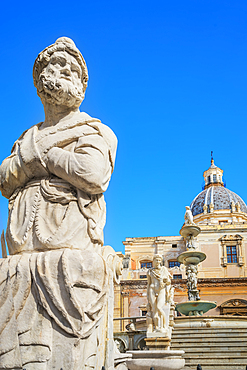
221	198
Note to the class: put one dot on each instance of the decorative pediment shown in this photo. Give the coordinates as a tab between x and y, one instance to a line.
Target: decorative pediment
234	307
227	238
234	303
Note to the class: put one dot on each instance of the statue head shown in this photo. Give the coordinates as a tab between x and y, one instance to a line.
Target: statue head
157	260
60	74
187	208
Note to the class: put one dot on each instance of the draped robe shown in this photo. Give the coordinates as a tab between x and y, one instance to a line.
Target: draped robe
55	276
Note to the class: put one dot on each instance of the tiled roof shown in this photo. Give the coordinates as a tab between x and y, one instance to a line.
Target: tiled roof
219	196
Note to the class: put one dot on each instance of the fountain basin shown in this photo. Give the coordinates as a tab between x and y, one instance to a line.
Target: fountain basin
191	257
200	307
159	359
190	230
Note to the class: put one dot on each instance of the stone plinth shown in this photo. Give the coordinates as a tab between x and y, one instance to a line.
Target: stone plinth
158	343
160	360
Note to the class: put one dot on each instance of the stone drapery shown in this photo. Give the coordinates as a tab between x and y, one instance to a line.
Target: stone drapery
55	280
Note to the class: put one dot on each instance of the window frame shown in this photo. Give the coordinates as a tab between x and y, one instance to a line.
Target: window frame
231	257
176	264
146	262
232	241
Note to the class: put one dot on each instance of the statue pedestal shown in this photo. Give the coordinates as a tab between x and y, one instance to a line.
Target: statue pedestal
158	356
158	343
159	359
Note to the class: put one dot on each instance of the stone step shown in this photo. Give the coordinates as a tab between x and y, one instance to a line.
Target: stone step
233	366
212	334
216	356
214	350
213	360
215	340
216	347
201	331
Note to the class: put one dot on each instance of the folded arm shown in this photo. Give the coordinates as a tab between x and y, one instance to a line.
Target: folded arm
87	168
12	173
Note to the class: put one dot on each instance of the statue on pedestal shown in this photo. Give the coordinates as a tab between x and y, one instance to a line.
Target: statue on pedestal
158	294
191	272
54	284
188	217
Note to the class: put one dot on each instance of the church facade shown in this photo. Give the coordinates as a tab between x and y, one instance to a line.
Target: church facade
222	277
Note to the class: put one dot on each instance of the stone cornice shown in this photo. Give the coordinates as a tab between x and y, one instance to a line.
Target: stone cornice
208	282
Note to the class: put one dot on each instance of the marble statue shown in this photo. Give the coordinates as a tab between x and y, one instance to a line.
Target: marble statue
188	217
191	272
159	293
190	242
54	284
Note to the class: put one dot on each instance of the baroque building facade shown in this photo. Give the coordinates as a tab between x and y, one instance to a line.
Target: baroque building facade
222	277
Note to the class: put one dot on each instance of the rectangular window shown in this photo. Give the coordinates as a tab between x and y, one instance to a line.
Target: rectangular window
177	276
174	245
231	252
146	265
144	313
214	178
208	179
173	263
143	276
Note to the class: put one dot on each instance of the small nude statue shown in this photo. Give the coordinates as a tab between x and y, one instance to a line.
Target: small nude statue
158	294
191	272
188	217
190	242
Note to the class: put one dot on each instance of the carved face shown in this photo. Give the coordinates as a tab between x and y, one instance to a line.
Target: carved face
60	81
157	262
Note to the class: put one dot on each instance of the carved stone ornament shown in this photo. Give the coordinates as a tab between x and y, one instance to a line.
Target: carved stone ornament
54	284
234	307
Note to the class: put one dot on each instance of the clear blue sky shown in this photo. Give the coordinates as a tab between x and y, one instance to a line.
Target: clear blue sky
169	77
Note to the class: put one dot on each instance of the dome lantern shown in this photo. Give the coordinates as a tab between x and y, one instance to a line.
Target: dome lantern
213	176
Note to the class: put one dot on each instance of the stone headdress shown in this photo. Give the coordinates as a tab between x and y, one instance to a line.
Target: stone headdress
61	44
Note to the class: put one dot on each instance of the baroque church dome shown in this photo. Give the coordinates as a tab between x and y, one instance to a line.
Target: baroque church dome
215	196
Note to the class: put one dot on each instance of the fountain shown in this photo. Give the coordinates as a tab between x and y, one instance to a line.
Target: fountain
191	258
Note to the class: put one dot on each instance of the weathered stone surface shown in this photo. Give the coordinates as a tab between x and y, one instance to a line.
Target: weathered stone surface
159	299
54	284
160	360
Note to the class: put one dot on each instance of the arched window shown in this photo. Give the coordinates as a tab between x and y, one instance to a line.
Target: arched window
146	264
173	263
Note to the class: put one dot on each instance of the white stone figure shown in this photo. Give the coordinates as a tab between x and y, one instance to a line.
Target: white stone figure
191	272
188	217
190	242
158	294
54	284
